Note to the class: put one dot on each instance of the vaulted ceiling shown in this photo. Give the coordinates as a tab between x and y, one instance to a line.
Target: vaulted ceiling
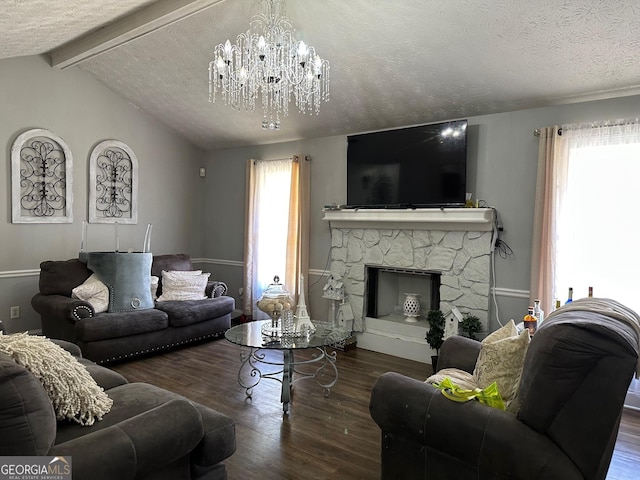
393	62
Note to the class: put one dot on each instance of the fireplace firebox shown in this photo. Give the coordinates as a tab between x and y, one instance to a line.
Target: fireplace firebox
386	288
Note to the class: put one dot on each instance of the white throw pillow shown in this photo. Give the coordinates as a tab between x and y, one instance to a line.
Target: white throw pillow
183	285
94	292
154	286
501	360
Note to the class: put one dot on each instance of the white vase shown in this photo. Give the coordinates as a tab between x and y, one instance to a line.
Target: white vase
411	307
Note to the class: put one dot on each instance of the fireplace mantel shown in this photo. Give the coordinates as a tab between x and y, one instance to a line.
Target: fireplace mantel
444	219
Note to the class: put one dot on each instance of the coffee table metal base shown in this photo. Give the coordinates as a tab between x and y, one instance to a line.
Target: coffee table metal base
251	359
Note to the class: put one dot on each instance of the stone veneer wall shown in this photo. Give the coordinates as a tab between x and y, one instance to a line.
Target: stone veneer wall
463	258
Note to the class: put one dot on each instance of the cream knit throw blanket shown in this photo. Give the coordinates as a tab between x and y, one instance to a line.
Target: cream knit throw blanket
73	392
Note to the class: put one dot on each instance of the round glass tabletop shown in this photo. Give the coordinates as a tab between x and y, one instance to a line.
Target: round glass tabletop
250	335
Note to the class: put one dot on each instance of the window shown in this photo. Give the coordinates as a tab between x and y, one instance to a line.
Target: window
271	218
277	226
597	226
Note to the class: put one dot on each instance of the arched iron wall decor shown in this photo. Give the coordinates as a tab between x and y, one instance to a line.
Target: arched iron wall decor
113	184
41	178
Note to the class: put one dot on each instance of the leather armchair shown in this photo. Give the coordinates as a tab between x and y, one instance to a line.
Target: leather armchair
575	377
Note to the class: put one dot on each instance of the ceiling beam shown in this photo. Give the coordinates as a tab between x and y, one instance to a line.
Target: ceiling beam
142	22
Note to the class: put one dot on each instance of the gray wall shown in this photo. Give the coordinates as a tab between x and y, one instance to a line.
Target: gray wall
83	112
205	217
502	168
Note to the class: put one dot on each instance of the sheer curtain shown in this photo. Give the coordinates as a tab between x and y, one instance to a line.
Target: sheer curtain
551	179
276	227
585	217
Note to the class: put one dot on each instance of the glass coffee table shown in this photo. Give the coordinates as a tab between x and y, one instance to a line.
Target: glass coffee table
323	363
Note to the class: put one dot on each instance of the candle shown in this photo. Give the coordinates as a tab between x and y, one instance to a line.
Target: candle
84	236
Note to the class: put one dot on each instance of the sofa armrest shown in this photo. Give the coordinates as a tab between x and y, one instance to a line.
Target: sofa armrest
459	437
61	307
138	446
459	352
59	314
216	289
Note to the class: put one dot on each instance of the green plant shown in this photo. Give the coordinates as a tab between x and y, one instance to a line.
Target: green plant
470	325
435	335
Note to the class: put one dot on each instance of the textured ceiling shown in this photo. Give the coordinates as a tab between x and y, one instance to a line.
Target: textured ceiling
393	62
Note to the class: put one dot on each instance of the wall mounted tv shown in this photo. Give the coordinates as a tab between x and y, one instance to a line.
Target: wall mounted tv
415	167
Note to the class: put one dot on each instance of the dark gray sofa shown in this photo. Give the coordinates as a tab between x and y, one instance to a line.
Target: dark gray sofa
575	378
150	433
106	337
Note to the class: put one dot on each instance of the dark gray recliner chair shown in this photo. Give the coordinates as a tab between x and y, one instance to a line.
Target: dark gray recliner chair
576	374
150	433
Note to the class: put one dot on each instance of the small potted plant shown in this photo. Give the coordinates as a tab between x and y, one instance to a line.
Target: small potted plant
435	335
469	326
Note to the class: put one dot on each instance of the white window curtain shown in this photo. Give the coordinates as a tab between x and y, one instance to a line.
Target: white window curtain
276	227
586	212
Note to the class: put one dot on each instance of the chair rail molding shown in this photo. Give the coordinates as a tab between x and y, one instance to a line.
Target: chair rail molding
19	273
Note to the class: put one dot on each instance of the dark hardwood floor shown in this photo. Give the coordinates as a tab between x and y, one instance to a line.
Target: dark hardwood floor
322	437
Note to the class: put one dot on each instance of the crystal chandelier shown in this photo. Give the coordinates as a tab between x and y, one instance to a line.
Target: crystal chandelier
268	63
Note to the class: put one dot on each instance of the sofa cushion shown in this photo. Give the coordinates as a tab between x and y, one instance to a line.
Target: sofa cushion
187	312
60	277
120	324
183	285
138	398
28	421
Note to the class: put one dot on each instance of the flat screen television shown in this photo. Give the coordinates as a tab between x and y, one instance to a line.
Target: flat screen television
415	167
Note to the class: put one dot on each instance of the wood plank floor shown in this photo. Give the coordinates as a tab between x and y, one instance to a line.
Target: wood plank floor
322	437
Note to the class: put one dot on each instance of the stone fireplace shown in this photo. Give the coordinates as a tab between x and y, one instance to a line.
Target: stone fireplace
453	243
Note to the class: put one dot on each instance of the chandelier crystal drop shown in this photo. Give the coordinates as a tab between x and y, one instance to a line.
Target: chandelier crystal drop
268	65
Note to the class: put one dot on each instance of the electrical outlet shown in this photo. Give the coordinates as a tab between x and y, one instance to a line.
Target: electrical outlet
15	312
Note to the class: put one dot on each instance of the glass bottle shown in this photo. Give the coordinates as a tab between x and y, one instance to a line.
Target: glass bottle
570	298
537	311
590	292
530	322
